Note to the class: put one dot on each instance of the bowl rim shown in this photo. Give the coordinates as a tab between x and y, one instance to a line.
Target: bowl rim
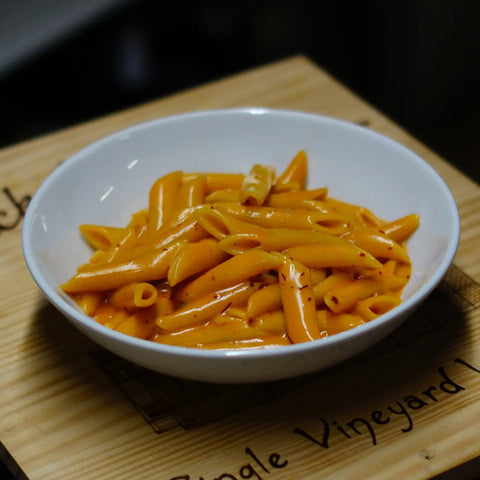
194	353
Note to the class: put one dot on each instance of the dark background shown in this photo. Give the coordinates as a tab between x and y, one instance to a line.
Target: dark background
417	61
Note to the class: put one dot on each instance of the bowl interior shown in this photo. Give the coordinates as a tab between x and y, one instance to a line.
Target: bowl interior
109	180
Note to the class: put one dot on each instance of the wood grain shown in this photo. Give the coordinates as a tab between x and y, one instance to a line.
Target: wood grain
408	408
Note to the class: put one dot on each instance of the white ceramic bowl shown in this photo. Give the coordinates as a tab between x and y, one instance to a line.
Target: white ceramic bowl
109	180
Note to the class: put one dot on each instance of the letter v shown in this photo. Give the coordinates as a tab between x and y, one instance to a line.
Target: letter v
463	362
326	433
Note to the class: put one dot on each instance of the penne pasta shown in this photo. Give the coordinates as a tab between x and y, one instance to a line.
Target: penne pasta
219	224
220	181
230	196
372	307
89	302
270	217
331	324
101	237
318	275
204	335
392	277
333	255
192	193
193	258
228	260
345	296
132	234
134	296
267	299
270	341
298	199
162	200
139	223
257	185
333	280
359	216
271	321
276	239
236	269
144	268
286	187
401	230
109	316
378	244
296	172
188	231
140	324
205	307
232	312
298	302
126	243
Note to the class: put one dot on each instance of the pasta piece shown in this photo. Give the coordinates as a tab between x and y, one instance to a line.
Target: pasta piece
236	269
298	302
163	305
117	319
270	341
190	196
296	171
297	199
378	244
89	302
134	231
342	298
99	256
126	244
195	258
134	296
270	321
267	299
236	312
373	307
206	306
230	196
331	324
391	278
205	335
276	239
195	312
140	324
318	276
402	229
360	216
189	231
101	237
257	185
268	278
144	268
192	193
138	223
219	225
162	200
270	217
333	255
333	280
220	181
288	187
109	316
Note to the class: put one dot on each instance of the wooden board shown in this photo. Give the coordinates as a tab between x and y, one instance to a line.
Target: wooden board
407	408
